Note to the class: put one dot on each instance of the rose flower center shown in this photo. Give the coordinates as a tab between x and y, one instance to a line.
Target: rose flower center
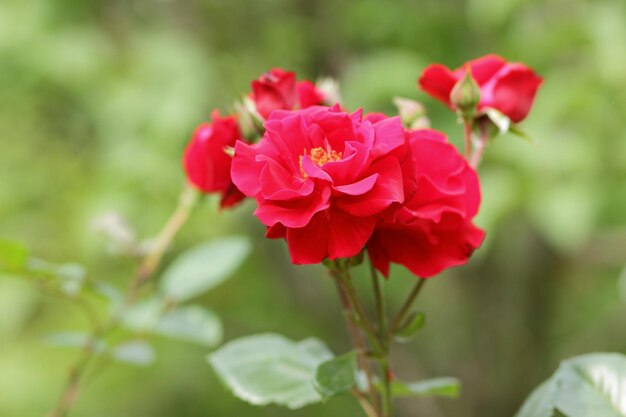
320	156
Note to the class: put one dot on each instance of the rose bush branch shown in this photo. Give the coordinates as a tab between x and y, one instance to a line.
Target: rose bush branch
372	401
381	312
406	306
146	269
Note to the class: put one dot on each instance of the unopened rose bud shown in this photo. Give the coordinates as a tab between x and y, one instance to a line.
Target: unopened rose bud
420	123
250	121
411	112
245	120
465	95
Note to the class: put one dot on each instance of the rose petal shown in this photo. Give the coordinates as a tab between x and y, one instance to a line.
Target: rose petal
483	68
438	81
359	187
515	90
293	213
387	190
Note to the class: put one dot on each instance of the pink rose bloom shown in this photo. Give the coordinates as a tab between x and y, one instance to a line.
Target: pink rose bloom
433	229
322	178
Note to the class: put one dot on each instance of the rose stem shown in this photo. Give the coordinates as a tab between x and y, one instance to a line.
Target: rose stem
365	404
406	306
357	343
468	138
477	156
385	340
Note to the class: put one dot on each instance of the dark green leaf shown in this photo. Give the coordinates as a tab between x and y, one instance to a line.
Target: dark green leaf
514	129
337	375
269	368
204	267
410	327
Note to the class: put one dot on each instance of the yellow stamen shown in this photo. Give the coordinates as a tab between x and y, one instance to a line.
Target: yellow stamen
320	156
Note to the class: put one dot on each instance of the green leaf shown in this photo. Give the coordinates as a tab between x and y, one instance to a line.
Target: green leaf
269	368
109	292
13	256
541	402
337	375
585	386
145	315
71	276
411	327
443	387
204	267
593	385
135	352
75	340
191	323
514	129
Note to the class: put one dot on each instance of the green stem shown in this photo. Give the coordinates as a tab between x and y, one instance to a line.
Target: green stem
467	124
144	273
387	393
399	318
477	156
364	322
358	344
381	312
381	307
365	404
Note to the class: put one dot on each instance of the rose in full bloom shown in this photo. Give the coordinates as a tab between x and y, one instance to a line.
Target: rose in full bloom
278	89
505	86
205	161
322	178
433	229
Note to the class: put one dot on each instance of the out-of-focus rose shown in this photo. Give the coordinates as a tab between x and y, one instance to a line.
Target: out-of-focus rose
433	229
278	89
322	178
206	161
505	86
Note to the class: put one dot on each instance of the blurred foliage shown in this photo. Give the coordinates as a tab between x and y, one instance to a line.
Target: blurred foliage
99	98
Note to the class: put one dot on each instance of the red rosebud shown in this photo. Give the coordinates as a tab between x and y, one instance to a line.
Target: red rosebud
206	163
308	94
322	178
278	90
433	229
505	86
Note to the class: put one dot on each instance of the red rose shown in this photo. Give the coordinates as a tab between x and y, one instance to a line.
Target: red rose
504	86
278	90
308	94
206	162
433	230
322	178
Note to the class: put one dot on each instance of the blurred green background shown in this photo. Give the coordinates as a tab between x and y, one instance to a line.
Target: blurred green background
98	99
